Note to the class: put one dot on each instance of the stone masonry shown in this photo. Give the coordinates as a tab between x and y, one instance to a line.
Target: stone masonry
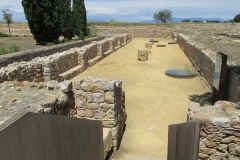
104	100
63	65
220	130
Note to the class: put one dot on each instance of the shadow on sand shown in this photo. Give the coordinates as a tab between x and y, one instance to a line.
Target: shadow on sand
204	99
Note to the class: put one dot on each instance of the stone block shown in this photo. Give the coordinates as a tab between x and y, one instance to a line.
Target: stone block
148	45
66	86
143	55
221	122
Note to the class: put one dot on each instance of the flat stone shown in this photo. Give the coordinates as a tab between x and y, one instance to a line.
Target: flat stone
222	147
221	122
66	86
235	124
204	150
107	86
211	144
234	149
109	97
51	85
161	45
97	97
202	118
92	106
227	140
97	114
215	137
181	73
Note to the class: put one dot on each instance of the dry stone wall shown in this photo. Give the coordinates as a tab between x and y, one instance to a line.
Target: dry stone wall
145	31
220	130
204	61
104	100
61	65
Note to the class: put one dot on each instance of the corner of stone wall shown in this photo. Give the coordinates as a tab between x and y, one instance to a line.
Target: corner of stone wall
220	129
103	100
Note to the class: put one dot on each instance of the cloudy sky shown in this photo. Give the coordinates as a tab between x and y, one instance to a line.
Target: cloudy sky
139	10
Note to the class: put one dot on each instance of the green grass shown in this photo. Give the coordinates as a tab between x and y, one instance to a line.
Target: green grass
4	35
13	48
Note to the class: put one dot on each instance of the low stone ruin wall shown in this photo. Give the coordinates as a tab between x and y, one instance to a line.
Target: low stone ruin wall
62	65
204	60
139	31
220	130
103	100
42	52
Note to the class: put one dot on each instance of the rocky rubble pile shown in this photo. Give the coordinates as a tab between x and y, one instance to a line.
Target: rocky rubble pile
49	98
220	129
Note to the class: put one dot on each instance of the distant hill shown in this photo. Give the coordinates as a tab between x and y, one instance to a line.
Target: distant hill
175	19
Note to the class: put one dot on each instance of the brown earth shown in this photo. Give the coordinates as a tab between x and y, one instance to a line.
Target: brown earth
153	99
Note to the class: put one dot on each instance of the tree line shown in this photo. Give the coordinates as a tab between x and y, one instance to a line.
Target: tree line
49	19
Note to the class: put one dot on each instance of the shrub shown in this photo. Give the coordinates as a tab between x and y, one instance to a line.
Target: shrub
237	18
4	35
14	48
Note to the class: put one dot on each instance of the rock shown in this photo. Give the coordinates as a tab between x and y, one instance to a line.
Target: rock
227	140
97	97
148	45
235	124
90	87
202	156
89	98
142	55
47	110
51	85
221	122
18	89
220	156
222	147
215	137
211	144
111	113
66	86
49	102
92	106
88	113
107	86
109	124
80	113
194	107
97	114
77	84
109	97
39	110
79	94
106	106
202	118
40	85
79	103
234	149
212	129
204	150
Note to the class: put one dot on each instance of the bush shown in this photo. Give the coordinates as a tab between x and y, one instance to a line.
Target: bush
49	44
237	18
4	35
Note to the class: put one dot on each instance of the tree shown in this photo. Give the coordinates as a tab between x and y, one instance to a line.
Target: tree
66	19
163	15
43	19
80	17
237	18
8	18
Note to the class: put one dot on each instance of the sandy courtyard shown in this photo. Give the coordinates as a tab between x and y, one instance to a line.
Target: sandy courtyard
153	100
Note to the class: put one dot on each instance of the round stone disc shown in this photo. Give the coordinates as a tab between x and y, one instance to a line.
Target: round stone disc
181	73
161	45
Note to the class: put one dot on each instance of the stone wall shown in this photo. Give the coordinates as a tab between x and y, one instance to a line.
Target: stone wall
104	100
42	52
139	31
220	130
204	60
61	65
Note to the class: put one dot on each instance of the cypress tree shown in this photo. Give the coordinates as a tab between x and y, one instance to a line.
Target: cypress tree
43	19
80	17
66	19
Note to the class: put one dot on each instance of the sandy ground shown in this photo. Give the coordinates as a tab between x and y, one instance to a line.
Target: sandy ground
153	99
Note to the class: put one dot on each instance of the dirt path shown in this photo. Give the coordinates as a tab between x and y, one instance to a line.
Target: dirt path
153	100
